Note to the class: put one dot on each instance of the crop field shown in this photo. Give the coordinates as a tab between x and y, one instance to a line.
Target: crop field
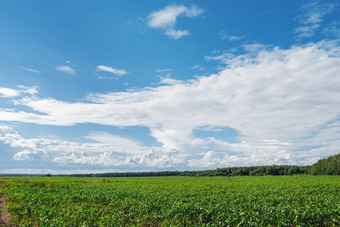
174	201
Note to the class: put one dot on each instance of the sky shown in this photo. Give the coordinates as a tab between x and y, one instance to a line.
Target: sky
115	86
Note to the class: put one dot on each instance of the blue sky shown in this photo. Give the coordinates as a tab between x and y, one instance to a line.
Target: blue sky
99	86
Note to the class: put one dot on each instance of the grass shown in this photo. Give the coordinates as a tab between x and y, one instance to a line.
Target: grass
177	201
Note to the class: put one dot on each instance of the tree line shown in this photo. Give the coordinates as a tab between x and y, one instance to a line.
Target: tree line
327	166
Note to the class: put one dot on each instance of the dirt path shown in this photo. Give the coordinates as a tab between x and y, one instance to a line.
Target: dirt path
4	217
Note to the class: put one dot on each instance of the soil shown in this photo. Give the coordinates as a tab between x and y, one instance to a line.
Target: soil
4	216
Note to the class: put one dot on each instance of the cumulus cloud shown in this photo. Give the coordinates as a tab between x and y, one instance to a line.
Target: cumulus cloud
66	69
313	13
8	92
107	151
166	18
284	104
118	72
125	144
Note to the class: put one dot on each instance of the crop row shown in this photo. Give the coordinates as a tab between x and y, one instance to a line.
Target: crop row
177	201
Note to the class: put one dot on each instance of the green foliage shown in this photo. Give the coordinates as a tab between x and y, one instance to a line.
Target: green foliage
175	201
131	174
274	170
328	166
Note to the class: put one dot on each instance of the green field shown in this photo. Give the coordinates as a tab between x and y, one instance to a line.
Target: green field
174	201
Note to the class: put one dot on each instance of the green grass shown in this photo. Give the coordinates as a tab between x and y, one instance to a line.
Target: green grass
175	201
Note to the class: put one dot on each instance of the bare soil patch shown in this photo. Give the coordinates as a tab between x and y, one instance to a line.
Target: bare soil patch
4	216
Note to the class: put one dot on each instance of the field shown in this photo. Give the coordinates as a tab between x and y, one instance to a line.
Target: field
174	201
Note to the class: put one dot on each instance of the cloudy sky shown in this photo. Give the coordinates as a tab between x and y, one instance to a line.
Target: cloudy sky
100	86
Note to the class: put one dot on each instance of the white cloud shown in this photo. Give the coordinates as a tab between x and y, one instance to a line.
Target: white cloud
107	151
199	67
24	155
333	30
168	80
66	69
8	92
234	37
106	78
312	17
122	153
163	70
166	19
29	69
316	11
306	31
29	90
118	72
11	93
252	50
223	58
176	34
124	144
225	36
284	104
